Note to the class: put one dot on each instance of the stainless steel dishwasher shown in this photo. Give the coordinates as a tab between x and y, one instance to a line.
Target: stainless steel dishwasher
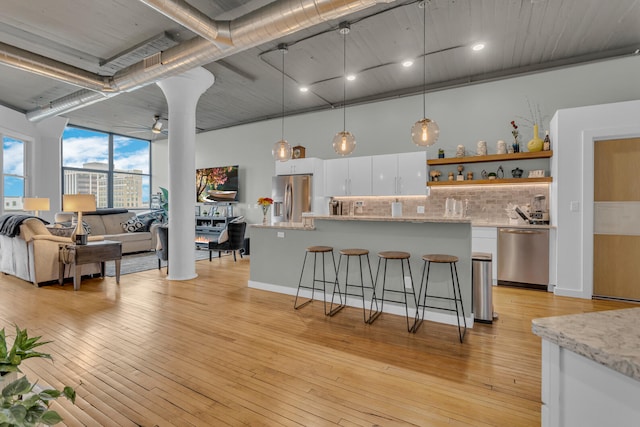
523	257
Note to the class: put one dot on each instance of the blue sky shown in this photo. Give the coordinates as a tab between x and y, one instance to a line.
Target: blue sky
82	146
13	163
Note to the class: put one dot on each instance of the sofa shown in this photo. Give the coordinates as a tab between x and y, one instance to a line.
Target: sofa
136	233
31	253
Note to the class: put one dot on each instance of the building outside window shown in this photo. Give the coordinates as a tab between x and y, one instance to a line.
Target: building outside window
115	168
13	174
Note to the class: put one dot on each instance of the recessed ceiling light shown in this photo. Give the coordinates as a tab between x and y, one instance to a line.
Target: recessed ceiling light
351	77
407	63
478	46
304	89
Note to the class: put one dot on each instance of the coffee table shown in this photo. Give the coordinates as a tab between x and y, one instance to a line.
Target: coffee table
77	255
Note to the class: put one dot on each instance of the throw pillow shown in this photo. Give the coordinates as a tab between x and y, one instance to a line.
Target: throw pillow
132	225
61	231
72	224
224	236
147	224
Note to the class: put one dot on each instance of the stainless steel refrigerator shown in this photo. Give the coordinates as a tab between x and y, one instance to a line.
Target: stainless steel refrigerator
291	196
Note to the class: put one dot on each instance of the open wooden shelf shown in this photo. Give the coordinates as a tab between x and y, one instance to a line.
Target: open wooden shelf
509	181
490	158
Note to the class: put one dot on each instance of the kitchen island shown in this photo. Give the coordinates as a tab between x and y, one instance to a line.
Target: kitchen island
277	252
590	368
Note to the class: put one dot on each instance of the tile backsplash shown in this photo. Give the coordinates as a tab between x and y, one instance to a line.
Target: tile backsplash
484	202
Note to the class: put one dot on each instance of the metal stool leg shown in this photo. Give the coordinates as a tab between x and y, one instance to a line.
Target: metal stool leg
453	267
336	285
374	315
295	303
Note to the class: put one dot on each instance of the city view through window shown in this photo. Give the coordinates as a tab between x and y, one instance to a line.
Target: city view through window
115	168
12	173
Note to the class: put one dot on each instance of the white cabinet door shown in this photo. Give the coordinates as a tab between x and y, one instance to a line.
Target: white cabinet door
336	174
412	173
359	176
348	177
384	175
295	166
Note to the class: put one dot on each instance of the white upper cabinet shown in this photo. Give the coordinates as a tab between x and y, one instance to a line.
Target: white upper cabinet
297	166
399	174
348	176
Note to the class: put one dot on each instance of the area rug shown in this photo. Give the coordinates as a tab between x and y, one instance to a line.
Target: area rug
144	261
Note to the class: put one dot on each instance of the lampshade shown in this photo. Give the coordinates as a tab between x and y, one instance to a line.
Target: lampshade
344	143
78	202
282	151
35	204
425	132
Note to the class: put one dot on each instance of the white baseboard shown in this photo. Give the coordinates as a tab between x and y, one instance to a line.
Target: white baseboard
391	308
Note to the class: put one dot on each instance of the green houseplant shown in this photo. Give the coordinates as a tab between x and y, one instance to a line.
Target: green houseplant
21	402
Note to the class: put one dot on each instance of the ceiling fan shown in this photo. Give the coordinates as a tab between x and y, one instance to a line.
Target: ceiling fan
156	128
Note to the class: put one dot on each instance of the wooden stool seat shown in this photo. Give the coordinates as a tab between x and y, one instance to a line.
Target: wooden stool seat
319	249
354	252
394	255
440	258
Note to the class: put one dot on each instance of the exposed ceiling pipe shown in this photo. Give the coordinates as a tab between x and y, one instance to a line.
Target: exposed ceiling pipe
183	13
43	66
268	23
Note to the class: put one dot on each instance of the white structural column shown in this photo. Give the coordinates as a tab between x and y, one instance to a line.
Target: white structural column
182	93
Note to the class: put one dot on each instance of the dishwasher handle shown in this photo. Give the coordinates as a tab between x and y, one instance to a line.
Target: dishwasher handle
520	231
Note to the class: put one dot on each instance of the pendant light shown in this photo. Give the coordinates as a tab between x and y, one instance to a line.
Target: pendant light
344	142
282	149
424	132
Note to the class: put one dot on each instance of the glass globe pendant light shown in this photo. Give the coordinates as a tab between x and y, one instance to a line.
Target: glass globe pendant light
282	150
344	142
424	132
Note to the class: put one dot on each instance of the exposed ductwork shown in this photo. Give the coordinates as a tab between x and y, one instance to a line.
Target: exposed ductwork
268	23
217	32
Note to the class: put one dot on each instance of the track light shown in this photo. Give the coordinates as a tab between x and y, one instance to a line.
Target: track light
157	125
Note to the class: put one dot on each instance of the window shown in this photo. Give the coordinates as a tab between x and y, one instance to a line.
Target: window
115	168
13	176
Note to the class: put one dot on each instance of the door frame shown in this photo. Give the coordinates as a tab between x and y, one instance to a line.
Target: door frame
589	138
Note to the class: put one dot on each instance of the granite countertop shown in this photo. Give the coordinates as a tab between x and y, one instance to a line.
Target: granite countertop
392	219
507	224
611	338
284	226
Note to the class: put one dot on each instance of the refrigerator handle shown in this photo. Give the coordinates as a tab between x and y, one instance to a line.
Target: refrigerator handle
288	196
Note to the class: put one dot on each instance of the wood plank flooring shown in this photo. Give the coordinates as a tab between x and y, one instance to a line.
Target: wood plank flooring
211	352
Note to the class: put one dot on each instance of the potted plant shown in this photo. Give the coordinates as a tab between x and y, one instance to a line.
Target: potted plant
21	402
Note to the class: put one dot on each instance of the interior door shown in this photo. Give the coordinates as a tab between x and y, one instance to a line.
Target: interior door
616	240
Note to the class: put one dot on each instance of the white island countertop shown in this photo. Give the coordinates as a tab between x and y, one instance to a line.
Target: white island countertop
610	338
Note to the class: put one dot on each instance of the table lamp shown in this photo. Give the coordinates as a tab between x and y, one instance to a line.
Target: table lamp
35	204
79	203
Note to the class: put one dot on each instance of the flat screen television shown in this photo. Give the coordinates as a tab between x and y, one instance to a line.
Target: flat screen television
219	184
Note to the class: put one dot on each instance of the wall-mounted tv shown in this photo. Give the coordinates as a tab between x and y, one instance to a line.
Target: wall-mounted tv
219	184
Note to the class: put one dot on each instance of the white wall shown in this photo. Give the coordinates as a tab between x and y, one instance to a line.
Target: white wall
572	166
42	168
465	115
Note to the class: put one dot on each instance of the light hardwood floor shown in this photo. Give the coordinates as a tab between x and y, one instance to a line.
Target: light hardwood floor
211	352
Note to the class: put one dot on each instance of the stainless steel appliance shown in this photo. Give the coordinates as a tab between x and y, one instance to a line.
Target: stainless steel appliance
291	196
523	257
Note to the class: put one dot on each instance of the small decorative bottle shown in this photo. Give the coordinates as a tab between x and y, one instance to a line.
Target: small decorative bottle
546	146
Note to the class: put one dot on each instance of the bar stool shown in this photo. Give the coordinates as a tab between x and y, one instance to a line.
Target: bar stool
402	257
315	250
452	261
349	253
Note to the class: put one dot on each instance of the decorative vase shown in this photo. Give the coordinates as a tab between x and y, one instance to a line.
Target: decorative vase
536	143
265	211
516	145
